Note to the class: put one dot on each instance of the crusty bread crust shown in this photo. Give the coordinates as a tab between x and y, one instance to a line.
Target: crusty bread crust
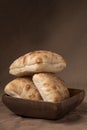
51	87
22	88
37	61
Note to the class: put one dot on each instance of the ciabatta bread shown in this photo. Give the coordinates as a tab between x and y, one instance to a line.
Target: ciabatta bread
22	88
37	61
51	87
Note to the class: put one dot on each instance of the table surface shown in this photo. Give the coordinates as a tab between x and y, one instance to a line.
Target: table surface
77	120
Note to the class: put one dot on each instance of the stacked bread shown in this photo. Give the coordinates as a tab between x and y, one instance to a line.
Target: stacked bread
36	77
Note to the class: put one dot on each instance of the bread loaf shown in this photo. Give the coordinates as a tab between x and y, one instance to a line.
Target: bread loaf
37	61
22	88
51	87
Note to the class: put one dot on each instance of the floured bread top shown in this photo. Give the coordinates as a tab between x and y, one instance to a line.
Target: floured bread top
51	87
22	88
37	61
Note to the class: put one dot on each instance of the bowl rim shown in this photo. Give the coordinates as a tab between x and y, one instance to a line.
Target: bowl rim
41	101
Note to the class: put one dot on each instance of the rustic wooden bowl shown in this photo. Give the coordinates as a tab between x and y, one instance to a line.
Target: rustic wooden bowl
41	109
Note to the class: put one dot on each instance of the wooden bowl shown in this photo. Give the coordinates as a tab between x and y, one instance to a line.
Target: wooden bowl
42	109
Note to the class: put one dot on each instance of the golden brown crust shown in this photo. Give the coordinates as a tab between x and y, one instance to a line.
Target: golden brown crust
22	88
37	61
51	87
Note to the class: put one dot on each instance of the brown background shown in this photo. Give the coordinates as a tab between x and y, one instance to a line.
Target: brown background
55	25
